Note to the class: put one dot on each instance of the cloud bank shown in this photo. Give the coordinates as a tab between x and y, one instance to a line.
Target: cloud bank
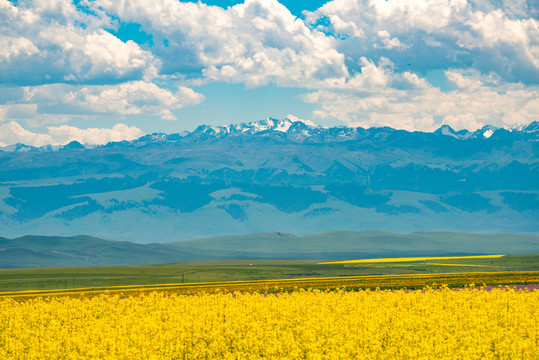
408	64
12	132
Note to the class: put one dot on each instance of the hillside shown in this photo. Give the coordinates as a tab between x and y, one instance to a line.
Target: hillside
45	251
56	251
275	175
368	244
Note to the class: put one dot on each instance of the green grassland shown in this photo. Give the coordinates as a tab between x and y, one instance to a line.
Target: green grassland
54	251
341	244
471	281
245	270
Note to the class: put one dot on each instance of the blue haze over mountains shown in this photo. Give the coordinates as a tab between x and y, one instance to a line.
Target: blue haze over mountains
274	175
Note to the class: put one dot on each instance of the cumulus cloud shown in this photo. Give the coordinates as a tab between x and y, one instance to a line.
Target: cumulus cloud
256	42
388	42
496	37
51	41
14	47
57	102
294	118
29	114
488	50
365	62
64	134
409	102
12	133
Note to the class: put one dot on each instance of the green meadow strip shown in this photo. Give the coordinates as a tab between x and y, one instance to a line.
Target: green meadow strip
327	283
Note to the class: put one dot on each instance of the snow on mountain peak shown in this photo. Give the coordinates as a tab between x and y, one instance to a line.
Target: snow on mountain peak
486	131
269	124
283	125
293	129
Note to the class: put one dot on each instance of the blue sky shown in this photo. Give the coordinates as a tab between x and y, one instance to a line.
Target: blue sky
105	70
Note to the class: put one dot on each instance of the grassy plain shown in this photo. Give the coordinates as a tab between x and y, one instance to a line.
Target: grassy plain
243	270
86	251
274	286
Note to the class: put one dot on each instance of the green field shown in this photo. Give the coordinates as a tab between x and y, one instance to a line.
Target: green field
525	279
245	270
56	251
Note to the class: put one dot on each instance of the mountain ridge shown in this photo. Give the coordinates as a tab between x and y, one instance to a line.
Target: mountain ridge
213	182
297	131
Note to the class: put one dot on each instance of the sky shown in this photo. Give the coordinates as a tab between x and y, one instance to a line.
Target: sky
107	70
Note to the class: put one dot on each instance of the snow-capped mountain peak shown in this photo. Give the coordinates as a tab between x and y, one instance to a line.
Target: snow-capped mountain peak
293	129
268	124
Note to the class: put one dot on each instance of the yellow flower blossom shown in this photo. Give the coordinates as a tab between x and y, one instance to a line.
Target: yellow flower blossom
385	260
304	324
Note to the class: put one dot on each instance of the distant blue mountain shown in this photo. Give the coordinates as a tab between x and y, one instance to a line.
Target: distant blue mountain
274	175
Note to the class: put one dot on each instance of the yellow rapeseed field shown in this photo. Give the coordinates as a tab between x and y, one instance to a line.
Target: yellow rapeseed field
313	324
407	259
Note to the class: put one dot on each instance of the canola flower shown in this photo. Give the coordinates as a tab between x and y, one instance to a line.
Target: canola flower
406	259
442	264
353	283
313	324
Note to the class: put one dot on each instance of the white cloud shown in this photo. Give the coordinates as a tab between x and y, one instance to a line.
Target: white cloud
371	76
55	103
476	101
50	41
13	47
515	9
65	134
12	133
365	61
488	50
29	114
388	42
257	42
294	118
131	98
430	34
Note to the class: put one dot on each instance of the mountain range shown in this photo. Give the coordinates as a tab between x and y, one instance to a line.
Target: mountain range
274	175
